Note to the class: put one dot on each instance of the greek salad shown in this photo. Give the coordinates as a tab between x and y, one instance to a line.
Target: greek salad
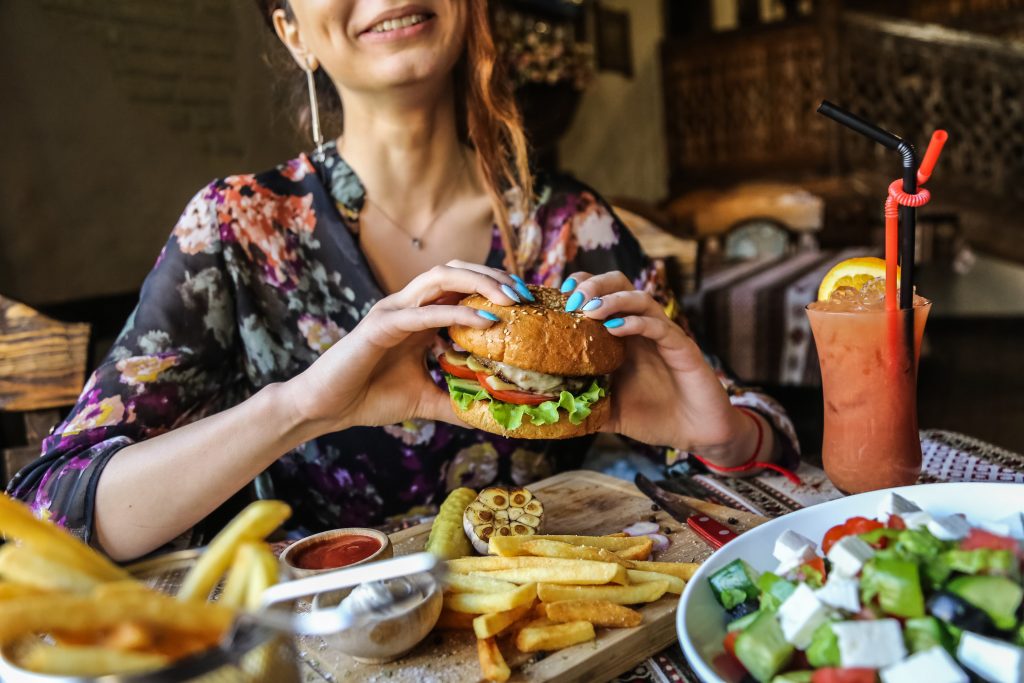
906	597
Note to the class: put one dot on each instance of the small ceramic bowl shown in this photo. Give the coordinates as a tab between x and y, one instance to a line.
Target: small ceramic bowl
384	639
296	549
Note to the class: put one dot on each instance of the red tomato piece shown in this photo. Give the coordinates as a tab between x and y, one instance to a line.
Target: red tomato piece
862	525
851	675
896	522
818	565
978	539
730	642
459	371
832	536
522	398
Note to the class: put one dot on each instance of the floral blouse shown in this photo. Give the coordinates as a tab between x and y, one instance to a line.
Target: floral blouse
262	274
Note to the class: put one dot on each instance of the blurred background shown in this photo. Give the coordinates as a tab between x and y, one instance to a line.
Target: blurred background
696	118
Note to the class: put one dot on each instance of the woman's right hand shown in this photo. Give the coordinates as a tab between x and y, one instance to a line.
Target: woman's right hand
375	375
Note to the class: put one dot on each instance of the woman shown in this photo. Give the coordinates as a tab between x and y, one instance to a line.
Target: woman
285	324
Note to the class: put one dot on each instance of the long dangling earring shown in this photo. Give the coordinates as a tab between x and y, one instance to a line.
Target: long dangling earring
314	114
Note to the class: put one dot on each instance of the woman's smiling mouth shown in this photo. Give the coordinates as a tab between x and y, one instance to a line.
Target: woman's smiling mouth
401	26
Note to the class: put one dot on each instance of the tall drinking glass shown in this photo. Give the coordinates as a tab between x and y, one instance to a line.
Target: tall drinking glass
869	382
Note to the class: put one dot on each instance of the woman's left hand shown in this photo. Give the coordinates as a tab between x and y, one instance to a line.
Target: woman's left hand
665	393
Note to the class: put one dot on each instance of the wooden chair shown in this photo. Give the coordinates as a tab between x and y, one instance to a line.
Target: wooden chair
42	368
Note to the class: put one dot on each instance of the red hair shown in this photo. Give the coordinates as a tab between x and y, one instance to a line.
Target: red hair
488	118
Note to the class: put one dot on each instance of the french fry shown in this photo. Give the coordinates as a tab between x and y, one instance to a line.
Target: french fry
588	571
684	570
620	595
639	551
597	612
576	572
22	565
254	523
618	534
262	576
73	613
17	523
17	590
492	664
544	548
113	589
482	603
455	621
490	625
511	546
236	585
554	637
81	660
474	583
675	584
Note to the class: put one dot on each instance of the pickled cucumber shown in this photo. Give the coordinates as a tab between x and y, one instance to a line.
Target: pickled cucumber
447	540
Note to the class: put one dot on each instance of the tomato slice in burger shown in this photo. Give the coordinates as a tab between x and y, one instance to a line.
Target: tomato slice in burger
462	371
523	398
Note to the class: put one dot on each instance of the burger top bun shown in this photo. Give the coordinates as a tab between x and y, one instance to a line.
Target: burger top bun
542	337
478	415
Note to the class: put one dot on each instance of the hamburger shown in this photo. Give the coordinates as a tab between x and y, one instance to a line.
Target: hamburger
538	373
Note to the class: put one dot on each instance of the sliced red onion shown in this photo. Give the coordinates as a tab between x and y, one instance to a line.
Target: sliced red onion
641	529
456	347
661	542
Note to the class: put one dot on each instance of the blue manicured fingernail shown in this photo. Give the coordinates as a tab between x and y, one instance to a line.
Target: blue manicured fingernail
525	292
568	285
574	302
487	315
614	322
518	279
511	294
593	304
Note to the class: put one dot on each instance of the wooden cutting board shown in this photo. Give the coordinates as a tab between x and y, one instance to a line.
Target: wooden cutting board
577	502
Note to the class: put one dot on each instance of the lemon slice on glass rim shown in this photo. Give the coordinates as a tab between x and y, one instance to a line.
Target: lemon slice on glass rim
853	272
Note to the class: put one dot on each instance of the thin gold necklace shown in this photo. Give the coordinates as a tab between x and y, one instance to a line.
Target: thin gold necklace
417	240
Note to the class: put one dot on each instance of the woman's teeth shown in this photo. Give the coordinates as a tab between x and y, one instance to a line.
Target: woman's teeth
395	24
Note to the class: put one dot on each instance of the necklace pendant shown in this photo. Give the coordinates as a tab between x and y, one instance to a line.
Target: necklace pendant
417	243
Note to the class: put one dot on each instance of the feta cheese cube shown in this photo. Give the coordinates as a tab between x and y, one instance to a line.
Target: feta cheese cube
933	665
800	615
949	528
848	555
870	644
895	504
994	660
840	592
792	550
916	520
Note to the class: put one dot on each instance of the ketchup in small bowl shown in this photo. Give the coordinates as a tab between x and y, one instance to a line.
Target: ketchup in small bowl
339	551
334	549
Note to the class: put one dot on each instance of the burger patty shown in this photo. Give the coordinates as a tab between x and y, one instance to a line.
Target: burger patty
535	382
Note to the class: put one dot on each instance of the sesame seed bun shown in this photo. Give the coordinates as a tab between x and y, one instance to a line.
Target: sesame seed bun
542	337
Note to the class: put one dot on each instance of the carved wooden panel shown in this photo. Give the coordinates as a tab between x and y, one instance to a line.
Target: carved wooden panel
744	102
913	79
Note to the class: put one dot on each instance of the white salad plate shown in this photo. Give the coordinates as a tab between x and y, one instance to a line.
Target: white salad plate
700	620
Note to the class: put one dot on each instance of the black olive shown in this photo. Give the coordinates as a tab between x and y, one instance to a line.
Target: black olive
960	613
743	609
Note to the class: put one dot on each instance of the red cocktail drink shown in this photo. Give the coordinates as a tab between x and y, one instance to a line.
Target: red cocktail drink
869	382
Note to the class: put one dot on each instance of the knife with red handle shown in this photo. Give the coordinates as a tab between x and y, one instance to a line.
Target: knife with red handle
713	532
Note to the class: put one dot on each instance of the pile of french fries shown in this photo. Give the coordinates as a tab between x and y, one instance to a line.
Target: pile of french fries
97	619
544	593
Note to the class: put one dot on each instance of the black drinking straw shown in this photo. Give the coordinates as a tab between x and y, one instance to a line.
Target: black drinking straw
908	214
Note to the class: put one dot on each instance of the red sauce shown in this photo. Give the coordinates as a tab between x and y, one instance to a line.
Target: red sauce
340	551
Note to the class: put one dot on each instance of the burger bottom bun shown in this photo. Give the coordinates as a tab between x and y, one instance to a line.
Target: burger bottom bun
478	415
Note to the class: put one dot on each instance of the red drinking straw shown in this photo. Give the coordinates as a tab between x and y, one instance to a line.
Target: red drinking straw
897	197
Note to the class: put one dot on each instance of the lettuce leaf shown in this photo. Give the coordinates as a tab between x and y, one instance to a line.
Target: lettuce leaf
511	416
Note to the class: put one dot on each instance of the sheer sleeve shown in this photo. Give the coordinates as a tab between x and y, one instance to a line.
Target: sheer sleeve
175	361
596	241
